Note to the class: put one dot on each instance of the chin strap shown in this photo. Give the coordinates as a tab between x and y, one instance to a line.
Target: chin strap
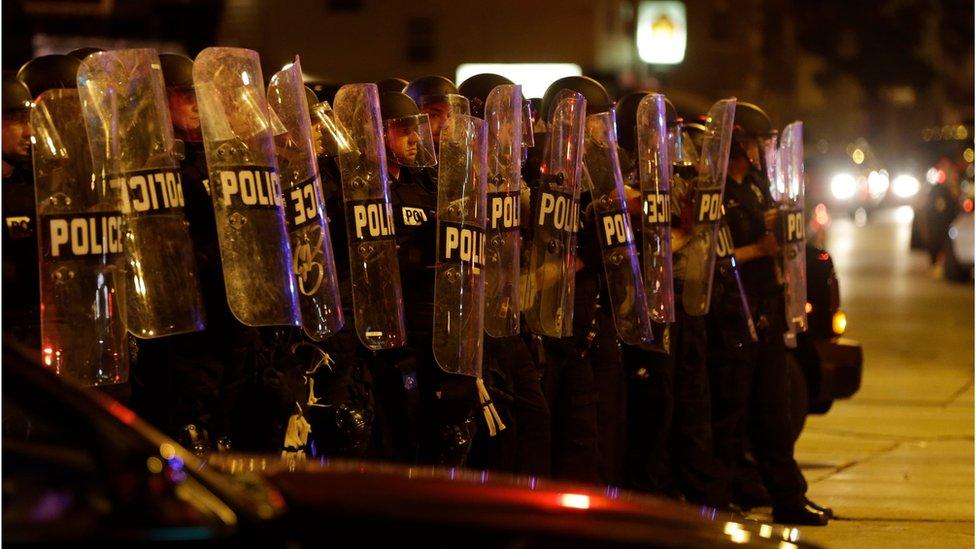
492	418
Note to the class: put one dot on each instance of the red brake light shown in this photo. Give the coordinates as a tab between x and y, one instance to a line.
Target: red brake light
824	256
967	205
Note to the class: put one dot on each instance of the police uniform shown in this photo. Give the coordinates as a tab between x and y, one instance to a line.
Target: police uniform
445	403
511	375
568	378
730	349
768	378
343	423
692	471
21	287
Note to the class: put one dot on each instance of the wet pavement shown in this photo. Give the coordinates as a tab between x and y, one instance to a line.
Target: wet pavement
896	461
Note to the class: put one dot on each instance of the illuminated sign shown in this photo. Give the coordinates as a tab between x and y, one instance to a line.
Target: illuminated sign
534	77
662	32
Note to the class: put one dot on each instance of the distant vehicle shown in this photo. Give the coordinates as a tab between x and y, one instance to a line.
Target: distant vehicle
80	467
859	182
959	246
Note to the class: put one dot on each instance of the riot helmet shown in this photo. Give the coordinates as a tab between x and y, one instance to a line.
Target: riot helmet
626	108
597	98
178	78
437	97
753	132
392	84
407	131
49	72
16	96
16	119
81	53
477	88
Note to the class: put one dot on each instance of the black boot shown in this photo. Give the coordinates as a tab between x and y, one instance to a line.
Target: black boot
801	514
822	508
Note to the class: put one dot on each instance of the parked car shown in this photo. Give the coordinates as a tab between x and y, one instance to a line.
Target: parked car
827	366
80	466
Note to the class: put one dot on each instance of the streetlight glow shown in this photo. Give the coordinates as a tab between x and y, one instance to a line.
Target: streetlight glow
662	32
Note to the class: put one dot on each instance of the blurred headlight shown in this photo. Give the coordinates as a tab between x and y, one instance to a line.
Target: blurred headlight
877	184
840	322
905	186
843	186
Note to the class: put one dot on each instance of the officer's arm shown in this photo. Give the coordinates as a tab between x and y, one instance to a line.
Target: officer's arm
766	245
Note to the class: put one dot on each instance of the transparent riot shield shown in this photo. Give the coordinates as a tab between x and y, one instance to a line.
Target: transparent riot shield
374	268
312	265
625	285
459	282
328	136
245	187
728	268
131	139
551	284
770	157
503	116
446	105
707	209
654	167
80	249
792	232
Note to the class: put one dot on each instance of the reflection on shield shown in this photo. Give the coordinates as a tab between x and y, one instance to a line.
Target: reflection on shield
80	241
624	283
503	117
551	282
707	207
132	146
655	184
312	265
246	191
374	267
459	281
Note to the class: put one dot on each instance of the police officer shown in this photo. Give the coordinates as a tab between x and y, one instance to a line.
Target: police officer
511	374
731	339
696	474
442	404
232	383
21	292
649	371
568	373
175	380
752	218
21	313
339	386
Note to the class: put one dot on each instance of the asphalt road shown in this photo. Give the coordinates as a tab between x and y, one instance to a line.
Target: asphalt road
896	461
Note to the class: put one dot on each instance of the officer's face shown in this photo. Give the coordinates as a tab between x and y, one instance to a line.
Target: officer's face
402	142
185	114
16	134
438	113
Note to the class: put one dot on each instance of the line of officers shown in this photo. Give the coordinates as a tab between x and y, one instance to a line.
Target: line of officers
416	271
